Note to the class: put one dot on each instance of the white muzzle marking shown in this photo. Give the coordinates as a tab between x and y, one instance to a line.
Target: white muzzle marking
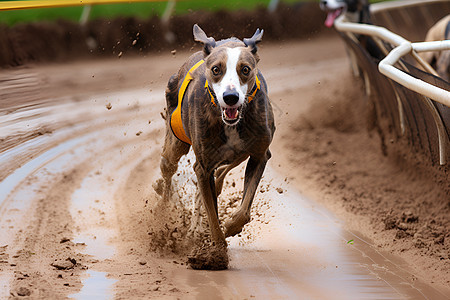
231	82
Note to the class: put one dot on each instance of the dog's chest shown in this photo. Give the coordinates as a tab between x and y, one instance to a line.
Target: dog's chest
234	143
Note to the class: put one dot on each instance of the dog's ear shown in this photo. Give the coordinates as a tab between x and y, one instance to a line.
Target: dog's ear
200	36
255	39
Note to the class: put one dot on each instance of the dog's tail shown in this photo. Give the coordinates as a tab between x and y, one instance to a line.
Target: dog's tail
172	93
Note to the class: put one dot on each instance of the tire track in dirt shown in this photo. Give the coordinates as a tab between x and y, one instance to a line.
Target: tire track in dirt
41	200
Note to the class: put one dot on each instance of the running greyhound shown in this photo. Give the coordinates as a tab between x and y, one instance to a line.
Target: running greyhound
218	104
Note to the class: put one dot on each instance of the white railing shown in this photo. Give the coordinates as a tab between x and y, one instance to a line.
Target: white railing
388	69
386	66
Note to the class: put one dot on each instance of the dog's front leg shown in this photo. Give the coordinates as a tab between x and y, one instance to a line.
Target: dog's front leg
208	192
209	256
253	173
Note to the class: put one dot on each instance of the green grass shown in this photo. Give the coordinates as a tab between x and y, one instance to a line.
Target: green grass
140	10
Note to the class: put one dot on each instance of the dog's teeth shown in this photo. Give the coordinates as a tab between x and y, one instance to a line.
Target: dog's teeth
231	113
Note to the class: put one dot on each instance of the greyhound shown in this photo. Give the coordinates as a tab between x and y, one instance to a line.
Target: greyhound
357	11
218	103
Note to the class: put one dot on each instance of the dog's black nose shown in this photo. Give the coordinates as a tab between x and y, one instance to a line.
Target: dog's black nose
231	97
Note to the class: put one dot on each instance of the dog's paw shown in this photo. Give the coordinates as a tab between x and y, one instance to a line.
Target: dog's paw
209	257
236	224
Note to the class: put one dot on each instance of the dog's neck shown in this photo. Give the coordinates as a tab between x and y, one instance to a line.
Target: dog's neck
359	12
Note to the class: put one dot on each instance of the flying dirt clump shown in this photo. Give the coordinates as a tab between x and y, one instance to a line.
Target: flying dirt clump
171	230
179	224
168	228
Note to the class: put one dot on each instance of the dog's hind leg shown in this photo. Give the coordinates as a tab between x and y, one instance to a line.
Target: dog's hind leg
196	220
253	173
173	150
222	171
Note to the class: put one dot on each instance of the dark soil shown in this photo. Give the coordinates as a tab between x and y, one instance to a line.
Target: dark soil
209	257
62	41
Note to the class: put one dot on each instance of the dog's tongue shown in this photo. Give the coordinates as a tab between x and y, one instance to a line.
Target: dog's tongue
232	113
332	15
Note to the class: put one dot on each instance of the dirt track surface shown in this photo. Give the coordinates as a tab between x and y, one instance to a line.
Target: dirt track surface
80	150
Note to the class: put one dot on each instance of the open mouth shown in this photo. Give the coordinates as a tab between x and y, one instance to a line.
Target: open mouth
230	115
331	17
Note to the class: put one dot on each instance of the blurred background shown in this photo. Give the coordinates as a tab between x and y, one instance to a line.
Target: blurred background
139	27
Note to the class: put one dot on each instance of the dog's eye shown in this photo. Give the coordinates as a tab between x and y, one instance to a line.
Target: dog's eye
246	70
215	70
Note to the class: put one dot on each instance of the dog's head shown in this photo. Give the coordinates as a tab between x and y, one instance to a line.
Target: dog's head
231	71
335	8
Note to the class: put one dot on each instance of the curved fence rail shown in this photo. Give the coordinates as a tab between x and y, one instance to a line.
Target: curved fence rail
408	98
405	47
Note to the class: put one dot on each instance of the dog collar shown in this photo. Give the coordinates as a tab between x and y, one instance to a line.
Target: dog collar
255	89
211	93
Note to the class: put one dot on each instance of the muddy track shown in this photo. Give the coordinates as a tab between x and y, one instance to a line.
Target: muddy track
79	216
